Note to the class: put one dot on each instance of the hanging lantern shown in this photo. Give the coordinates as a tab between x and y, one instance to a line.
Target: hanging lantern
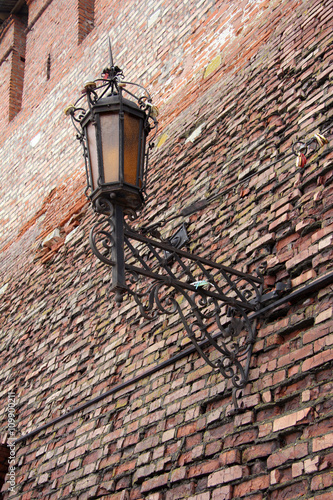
113	131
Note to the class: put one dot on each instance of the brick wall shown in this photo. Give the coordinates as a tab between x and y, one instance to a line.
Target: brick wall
12	61
86	10
117	407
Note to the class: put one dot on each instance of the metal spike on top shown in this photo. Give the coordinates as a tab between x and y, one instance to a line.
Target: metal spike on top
113	70
110	54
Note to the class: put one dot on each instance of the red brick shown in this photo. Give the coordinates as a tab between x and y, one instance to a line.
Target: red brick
65	342
292	419
230	457
213	448
258	451
178	474
296	355
278	222
321	481
191	455
125	467
319	428
295	490
155	482
240	438
186	430
317	360
204	468
193	440
291	453
323	496
302	256
317	332
225	475
321	443
244	419
180	492
148	443
258	483
224	493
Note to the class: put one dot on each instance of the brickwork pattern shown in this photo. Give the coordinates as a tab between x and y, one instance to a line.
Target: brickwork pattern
12	55
17	69
173	57
85	18
260	79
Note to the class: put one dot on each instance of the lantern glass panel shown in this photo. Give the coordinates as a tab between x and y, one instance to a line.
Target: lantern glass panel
110	146
132	145
93	159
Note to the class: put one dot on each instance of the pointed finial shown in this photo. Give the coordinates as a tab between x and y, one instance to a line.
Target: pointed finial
113	71
110	54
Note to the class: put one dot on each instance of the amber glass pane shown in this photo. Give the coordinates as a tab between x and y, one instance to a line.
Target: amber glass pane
91	137
131	148
110	146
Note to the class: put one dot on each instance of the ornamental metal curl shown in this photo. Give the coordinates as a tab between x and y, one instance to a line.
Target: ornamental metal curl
228	351
102	238
213	301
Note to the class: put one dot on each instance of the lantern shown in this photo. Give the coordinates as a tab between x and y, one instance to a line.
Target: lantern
115	131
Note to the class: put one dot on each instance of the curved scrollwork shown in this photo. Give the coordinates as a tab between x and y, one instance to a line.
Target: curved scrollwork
227	350
156	300
102	240
213	302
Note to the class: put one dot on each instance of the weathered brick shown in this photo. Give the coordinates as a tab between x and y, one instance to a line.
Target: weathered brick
213	448
146	444
299	489
265	240
324	315
154	482
291	453
200	496
321	481
302	256
86	482
178	474
316	360
180	491
311	465
244	419
224	493
291	419
317	332
258	451
230	457
321	443
297	469
295	355
225	475
203	469
259	483
237	439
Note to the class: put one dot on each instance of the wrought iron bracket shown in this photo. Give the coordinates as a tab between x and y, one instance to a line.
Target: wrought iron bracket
213	301
280	289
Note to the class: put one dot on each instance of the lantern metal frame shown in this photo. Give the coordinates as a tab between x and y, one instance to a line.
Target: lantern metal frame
217	305
126	194
106	95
